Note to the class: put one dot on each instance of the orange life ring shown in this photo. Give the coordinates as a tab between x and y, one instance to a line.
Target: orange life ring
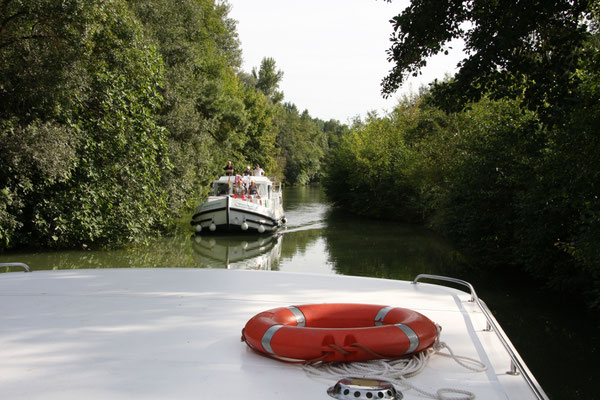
339	332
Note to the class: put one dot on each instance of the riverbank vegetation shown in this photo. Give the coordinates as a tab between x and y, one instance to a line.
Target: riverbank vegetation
504	158
115	115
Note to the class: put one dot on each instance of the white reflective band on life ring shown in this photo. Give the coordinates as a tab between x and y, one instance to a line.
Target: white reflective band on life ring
412	337
381	315
300	318
266	339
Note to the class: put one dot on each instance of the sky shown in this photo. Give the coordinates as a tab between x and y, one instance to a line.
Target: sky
332	52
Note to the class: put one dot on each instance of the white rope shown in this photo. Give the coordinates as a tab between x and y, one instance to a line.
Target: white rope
396	371
465	362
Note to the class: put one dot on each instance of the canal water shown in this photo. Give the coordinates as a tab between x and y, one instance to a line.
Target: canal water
557	340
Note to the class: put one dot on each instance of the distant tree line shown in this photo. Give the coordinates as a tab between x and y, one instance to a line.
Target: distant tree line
115	115
504	158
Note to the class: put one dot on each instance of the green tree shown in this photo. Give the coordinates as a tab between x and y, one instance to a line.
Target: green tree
261	132
370	171
82	156
268	78
203	112
334	130
301	141
491	171
529	50
508	190
544	57
302	145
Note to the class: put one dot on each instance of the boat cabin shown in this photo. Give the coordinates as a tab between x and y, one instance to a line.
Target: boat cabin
225	185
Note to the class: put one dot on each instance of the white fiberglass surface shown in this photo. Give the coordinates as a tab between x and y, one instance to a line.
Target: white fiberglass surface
175	333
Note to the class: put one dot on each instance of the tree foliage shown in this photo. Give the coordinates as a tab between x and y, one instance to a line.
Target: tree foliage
521	188
302	145
508	190
268	78
529	50
115	116
370	170
79	153
203	111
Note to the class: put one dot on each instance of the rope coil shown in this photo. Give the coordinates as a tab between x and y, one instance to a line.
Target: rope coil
396	371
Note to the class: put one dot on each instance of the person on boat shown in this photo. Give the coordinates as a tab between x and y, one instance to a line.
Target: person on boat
228	169
253	189
253	192
248	171
239	191
258	171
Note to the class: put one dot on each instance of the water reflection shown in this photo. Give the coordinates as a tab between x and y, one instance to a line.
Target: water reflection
364	247
173	251
238	252
322	239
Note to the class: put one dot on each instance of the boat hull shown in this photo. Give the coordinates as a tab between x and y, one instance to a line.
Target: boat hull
228	214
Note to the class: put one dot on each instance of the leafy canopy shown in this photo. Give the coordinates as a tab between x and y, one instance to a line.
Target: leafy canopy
513	48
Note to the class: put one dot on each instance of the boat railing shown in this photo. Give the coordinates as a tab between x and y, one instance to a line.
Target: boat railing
517	365
276	185
257	200
16	264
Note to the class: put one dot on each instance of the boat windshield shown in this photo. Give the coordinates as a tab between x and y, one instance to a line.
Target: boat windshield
263	190
222	189
225	188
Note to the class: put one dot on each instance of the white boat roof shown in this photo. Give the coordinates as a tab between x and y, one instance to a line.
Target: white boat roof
175	334
257	179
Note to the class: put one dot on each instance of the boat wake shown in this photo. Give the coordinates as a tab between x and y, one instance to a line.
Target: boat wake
307	227
306	217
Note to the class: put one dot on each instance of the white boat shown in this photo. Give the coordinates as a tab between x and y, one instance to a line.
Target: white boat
224	210
175	334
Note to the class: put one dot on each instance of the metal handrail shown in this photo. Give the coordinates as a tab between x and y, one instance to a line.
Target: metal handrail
22	265
517	364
